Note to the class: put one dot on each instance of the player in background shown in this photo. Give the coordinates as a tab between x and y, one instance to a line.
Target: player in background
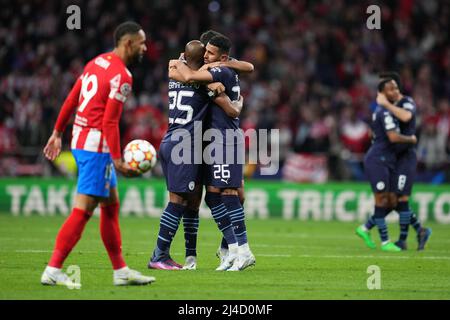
98	97
188	104
224	179
380	166
404	109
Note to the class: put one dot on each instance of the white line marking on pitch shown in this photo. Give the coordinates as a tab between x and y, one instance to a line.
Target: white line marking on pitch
146	253
371	257
286	255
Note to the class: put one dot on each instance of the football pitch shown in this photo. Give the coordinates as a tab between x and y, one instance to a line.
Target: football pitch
294	260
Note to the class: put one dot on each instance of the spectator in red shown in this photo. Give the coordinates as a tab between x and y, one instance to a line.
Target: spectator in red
355	138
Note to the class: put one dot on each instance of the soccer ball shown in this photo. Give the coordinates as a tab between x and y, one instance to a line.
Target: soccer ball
140	154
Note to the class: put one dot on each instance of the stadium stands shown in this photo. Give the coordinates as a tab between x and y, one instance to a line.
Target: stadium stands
315	75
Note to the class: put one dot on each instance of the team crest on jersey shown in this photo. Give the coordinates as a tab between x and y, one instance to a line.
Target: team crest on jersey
191	185
125	89
380	185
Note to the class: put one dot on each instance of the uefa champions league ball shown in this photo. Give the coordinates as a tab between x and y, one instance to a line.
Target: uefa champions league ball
140	154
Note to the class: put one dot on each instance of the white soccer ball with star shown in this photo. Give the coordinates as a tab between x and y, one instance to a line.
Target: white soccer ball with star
140	154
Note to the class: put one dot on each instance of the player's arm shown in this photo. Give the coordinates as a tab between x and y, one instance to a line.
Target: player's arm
232	108
237	65
401	114
110	125
53	147
110	128
216	90
391	128
395	137
189	75
174	73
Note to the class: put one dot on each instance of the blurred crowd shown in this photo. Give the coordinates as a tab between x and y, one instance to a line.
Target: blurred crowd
316	66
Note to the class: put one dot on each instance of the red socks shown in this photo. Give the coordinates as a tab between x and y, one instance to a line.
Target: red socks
73	227
68	236
110	232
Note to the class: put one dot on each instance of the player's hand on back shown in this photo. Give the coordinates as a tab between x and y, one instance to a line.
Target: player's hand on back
125	169
53	147
241	101
381	99
238	104
216	87
174	63
414	139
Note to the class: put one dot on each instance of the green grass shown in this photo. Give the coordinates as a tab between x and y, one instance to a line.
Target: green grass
295	260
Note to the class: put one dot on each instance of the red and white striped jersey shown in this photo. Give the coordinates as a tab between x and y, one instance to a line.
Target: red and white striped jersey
105	79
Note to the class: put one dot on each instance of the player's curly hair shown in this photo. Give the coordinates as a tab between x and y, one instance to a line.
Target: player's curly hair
128	27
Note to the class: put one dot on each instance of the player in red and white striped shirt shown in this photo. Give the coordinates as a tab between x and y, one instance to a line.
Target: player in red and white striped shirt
98	97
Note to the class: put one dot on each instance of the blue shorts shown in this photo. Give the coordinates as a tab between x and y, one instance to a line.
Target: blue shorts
180	178
96	174
405	172
380	173
227	173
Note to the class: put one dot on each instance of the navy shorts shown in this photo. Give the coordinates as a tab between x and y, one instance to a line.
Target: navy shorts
228	172
96	174
183	177
380	173
405	172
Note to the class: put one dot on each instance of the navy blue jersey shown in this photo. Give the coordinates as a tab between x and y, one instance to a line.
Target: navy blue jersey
187	103
229	78
407	128
382	122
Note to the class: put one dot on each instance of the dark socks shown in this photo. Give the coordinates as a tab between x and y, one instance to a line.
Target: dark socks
220	215
415	223
380	221
405	219
190	225
370	223
236	212
168	226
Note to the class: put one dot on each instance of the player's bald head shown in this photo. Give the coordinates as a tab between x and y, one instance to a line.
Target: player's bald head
193	52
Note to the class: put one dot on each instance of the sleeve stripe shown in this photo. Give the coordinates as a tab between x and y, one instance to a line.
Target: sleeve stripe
390	126
408	106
